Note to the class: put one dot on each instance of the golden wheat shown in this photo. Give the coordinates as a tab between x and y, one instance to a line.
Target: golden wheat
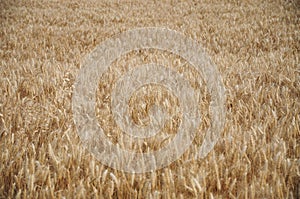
255	45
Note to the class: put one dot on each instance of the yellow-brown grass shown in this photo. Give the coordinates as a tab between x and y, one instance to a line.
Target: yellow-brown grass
255	45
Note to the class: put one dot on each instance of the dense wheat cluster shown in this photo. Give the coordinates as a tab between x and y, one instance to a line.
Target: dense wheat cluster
255	46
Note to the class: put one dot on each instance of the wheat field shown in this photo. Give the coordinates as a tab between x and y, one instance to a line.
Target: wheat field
255	46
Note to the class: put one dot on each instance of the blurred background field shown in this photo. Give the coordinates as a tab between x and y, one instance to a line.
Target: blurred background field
254	44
